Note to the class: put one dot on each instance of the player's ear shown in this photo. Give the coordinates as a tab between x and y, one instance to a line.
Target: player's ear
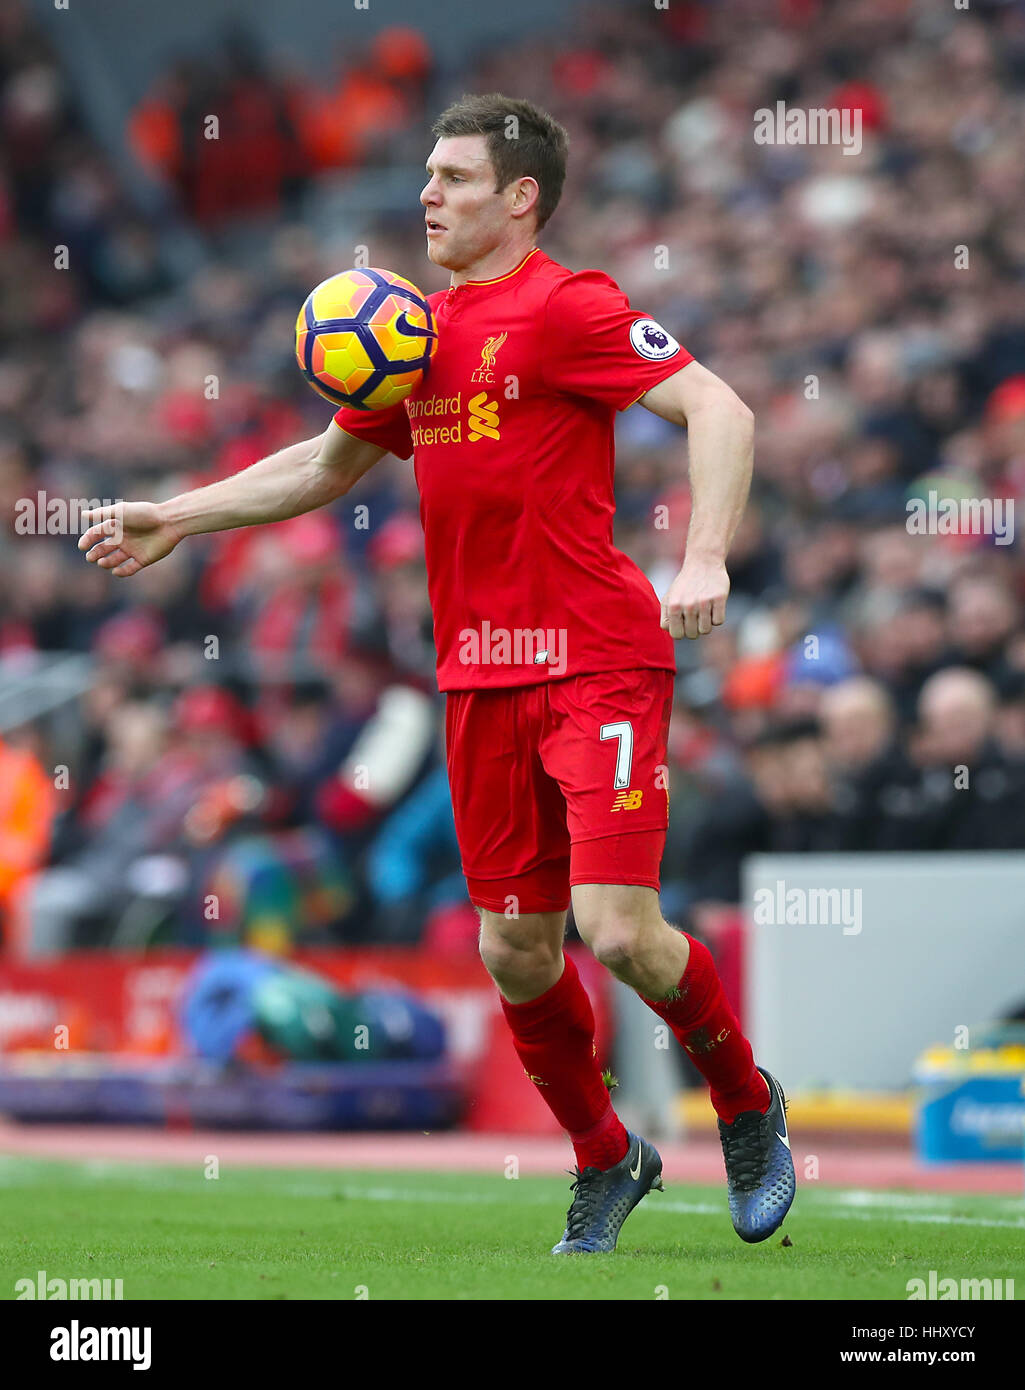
525	195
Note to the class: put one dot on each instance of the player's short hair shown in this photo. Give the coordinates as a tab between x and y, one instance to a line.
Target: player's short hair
523	142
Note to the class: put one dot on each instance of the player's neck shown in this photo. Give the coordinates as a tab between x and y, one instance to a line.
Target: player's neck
495	264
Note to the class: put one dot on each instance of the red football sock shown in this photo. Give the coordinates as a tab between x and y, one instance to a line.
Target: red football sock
554	1039
703	1022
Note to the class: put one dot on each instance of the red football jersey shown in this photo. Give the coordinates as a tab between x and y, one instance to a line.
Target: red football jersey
512	433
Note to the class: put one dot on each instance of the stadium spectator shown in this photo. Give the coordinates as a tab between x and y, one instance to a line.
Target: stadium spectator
983	616
873	776
859	723
973	792
157	802
413	864
27	808
222	134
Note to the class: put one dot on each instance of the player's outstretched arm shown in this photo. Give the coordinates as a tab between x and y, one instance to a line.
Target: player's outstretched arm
721	437
128	536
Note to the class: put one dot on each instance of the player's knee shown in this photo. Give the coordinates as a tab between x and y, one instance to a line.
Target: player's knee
514	957
614	943
505	960
496	954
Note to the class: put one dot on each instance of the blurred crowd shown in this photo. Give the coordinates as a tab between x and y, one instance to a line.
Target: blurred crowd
868	690
276	129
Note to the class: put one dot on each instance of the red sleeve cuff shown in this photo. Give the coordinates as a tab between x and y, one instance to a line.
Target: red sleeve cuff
388	429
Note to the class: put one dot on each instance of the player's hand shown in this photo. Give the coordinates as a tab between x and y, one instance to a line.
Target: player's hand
126	537
695	601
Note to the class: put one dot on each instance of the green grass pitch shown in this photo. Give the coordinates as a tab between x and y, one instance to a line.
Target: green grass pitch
258	1233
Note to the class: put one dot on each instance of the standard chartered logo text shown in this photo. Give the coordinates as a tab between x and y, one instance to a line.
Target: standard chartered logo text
439	419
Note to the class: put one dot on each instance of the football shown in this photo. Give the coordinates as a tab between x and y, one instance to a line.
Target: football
364	338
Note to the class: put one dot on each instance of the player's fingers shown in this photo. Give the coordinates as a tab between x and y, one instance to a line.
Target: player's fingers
704	619
101	530
101	516
690	621
719	611
112	559
102	547
129	567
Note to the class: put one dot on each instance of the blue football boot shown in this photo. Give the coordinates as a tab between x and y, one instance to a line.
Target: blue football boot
759	1168
603	1201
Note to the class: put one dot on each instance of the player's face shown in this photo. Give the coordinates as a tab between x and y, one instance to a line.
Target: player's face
466	219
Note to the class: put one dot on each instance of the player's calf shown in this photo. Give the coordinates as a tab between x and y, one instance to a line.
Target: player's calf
747	1100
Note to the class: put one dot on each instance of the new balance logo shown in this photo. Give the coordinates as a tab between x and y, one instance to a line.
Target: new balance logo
628	801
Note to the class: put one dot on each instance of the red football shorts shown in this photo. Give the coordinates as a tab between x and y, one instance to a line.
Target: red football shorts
559	783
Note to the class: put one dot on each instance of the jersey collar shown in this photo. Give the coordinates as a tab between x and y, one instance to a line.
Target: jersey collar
499	279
